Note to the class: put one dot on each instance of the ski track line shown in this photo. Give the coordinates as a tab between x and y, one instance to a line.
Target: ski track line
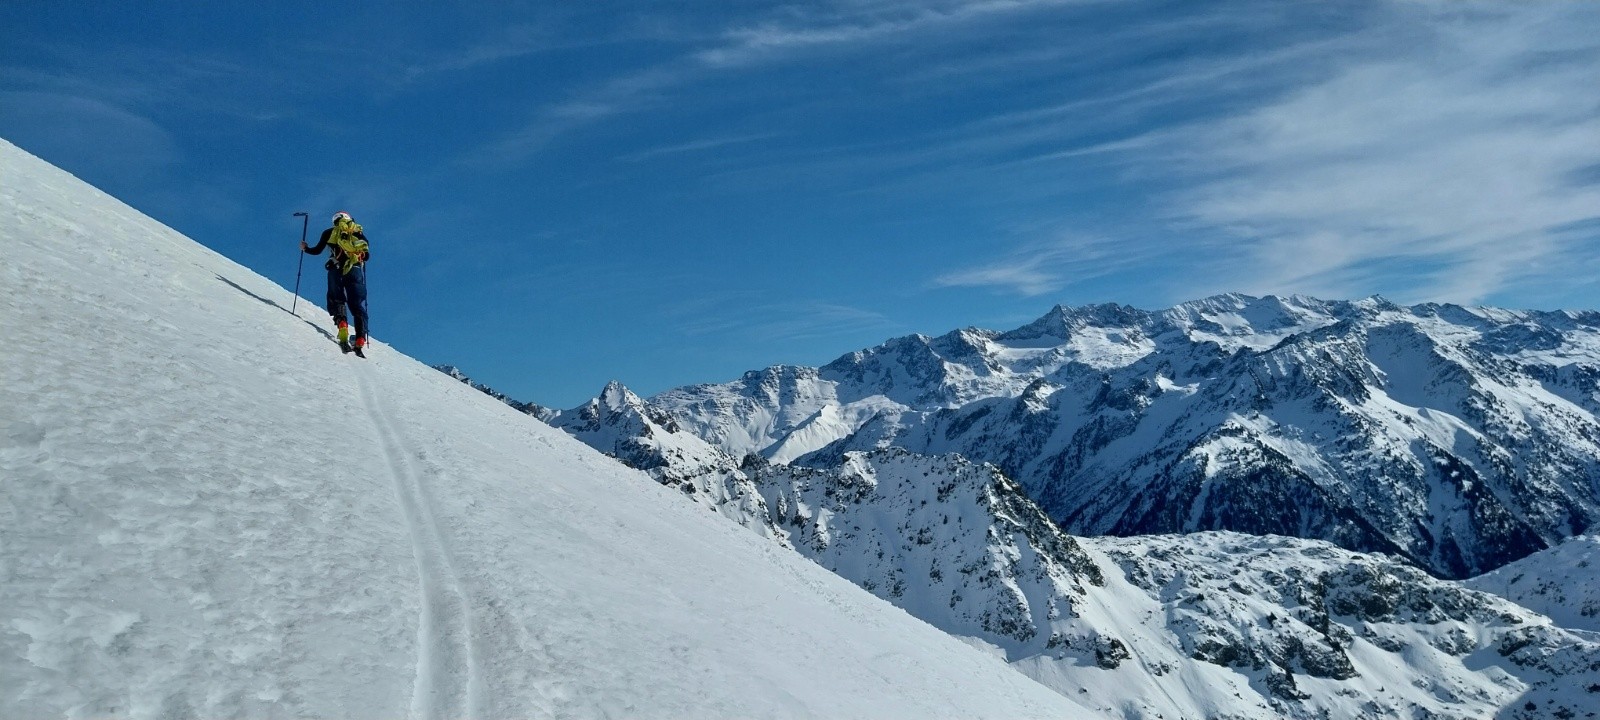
448	683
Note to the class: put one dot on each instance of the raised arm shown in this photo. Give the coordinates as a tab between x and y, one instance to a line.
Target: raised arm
317	249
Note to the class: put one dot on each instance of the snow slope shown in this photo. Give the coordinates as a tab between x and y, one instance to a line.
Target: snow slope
1562	582
206	510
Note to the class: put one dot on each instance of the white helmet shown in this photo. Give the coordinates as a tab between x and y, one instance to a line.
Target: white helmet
342	214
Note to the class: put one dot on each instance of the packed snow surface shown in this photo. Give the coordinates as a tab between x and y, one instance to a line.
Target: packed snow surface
207	511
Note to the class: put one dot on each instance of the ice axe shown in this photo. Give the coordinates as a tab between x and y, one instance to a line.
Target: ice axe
304	223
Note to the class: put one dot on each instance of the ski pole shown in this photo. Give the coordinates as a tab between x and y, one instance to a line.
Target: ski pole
304	222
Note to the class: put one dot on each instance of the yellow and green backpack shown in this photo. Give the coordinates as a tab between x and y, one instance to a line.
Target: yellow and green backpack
352	250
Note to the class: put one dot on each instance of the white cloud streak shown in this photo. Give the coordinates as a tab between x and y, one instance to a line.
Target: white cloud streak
739	48
1424	150
84	133
508	43
694	146
1439	151
1456	151
1043	268
766	41
779	322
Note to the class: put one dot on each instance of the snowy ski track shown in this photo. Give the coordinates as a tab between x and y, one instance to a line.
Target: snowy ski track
449	659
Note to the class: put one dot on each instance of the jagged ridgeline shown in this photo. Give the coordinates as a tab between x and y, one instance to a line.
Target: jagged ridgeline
863	466
1461	439
1458	438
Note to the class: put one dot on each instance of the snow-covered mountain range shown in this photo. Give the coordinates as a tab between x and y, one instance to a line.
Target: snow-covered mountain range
192	531
1452	439
1460	438
1199	625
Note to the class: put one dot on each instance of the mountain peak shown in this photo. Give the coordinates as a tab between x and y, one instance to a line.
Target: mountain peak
1221	301
1377	303
616	397
1063	320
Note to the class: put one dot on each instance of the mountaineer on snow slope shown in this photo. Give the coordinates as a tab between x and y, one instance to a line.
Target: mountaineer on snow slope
347	278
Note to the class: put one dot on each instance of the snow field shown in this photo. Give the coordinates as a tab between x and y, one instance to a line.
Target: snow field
206	510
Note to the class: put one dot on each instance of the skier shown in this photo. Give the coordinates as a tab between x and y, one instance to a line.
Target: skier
347	278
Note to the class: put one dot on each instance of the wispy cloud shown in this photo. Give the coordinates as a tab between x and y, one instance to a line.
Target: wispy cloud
212	81
755	321
1043	268
694	146
1112	83
548	33
1459	147
1025	275
1432	151
508	42
798	33
105	140
624	94
811	320
765	41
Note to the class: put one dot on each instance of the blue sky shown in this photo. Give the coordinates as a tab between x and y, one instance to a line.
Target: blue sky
560	194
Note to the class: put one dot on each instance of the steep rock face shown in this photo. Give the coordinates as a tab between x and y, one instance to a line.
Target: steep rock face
752	413
620	424
1459	438
954	543
1323	632
1383	438
1279	627
1259	627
